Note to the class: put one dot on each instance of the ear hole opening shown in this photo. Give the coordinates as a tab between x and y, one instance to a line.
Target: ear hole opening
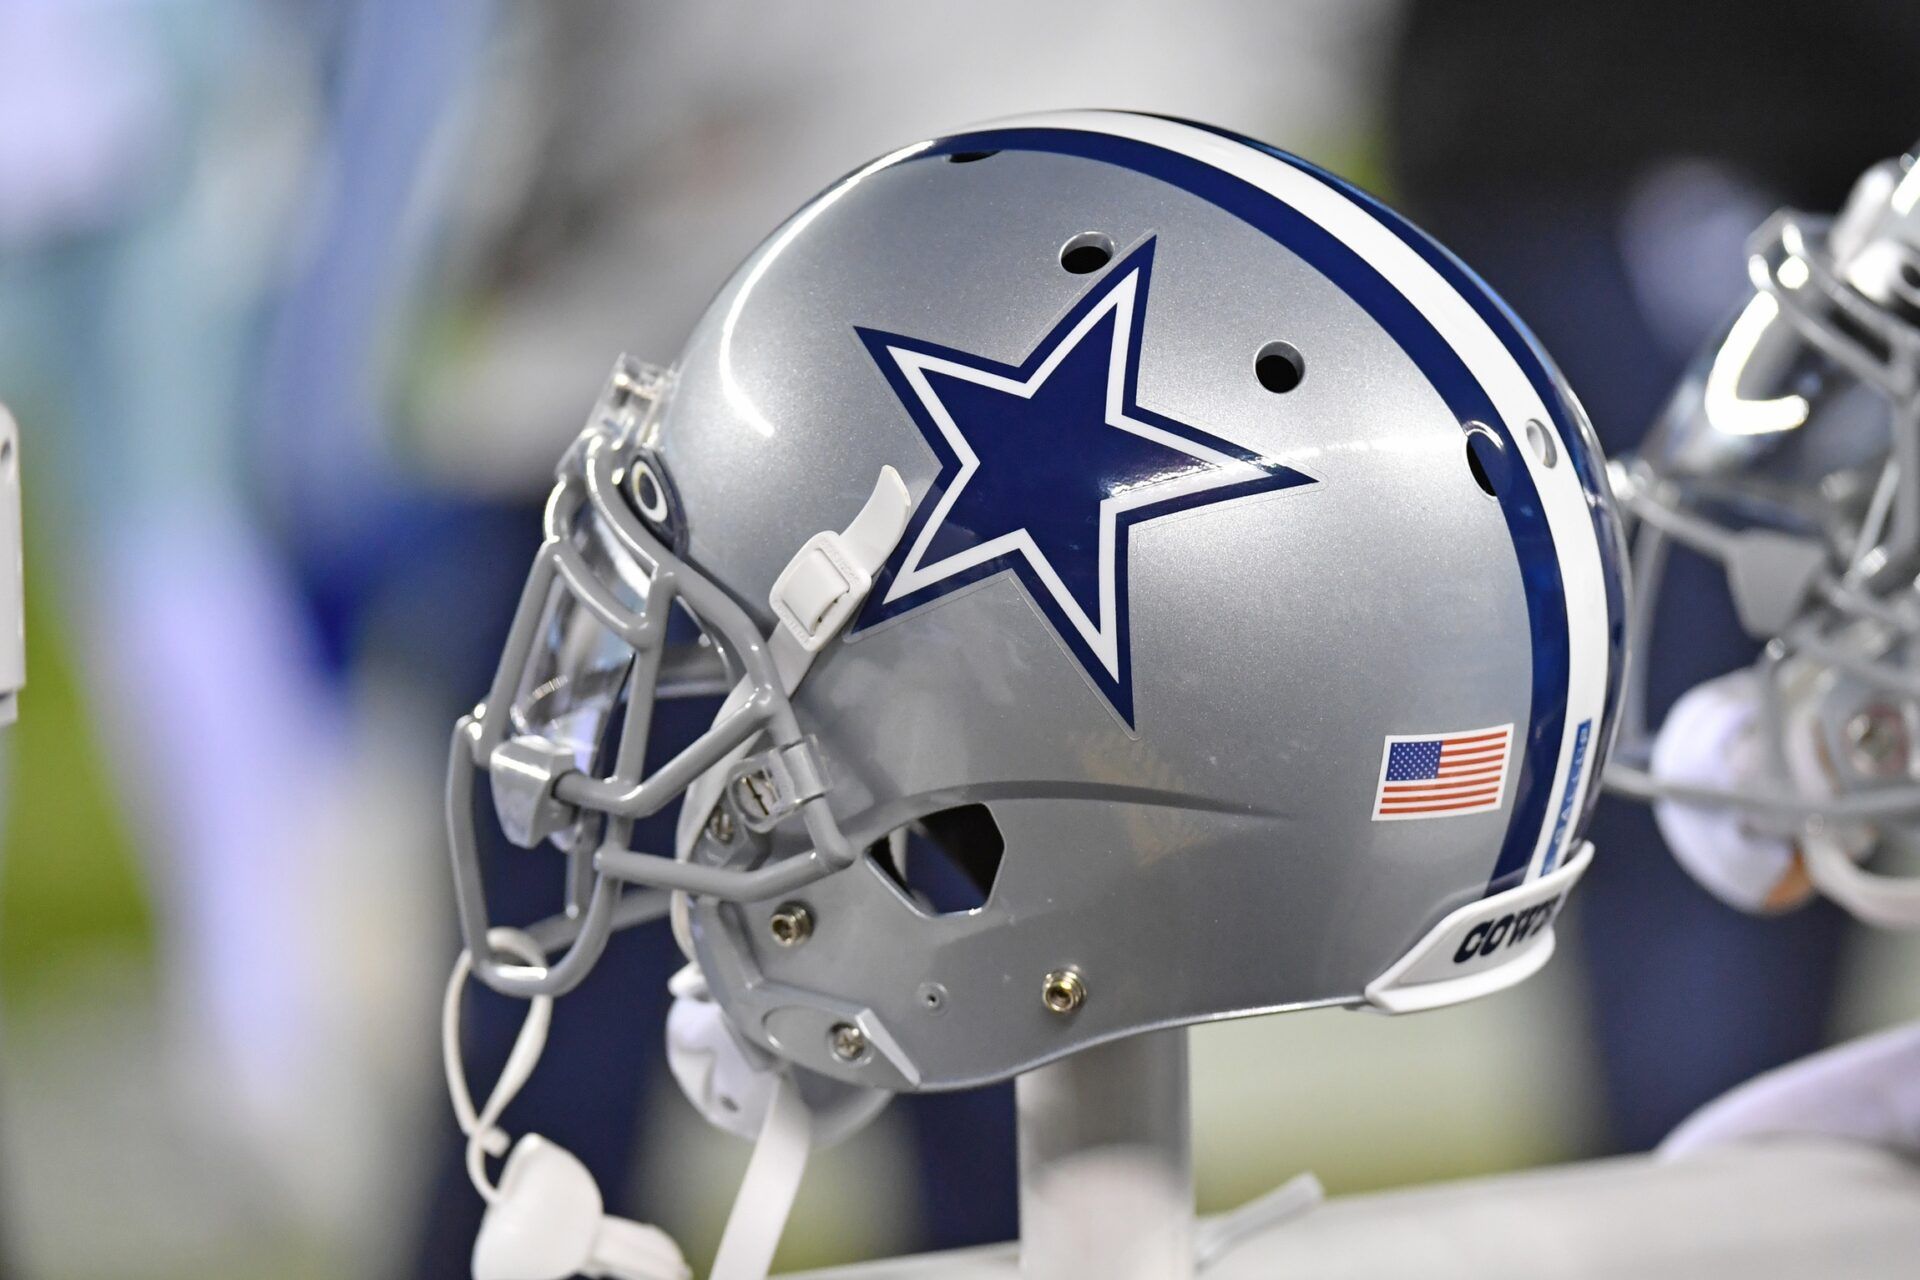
946	862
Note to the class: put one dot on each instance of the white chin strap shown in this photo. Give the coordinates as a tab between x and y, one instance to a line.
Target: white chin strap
815	596
545	1219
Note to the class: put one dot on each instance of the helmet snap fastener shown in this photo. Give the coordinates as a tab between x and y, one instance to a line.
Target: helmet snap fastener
791	924
1063	991
755	793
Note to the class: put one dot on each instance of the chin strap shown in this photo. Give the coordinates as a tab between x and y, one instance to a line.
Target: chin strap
815	596
546	1219
766	1194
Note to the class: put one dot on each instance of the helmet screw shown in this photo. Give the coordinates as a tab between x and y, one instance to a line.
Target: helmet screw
755	793
720	824
849	1042
1878	737
626	387
791	924
1063	991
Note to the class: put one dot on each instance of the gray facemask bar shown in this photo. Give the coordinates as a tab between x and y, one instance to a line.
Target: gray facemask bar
1887	545
541	780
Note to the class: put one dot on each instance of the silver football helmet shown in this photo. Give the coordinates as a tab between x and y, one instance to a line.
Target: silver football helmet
1790	454
1154	582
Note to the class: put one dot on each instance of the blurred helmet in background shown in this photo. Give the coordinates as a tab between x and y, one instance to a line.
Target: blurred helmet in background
1789	454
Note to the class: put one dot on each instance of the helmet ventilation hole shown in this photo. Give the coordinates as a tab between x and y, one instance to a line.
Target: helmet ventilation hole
946	862
1486	459
968	157
1086	253
1279	366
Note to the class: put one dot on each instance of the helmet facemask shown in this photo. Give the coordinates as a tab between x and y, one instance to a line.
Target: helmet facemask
1791	456
562	735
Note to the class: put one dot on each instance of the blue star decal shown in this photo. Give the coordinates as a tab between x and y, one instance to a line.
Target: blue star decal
1045	467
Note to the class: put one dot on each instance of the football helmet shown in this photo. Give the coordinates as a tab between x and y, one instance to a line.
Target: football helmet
1152	583
1790	454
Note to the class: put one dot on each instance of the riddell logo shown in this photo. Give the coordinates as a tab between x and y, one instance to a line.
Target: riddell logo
1509	930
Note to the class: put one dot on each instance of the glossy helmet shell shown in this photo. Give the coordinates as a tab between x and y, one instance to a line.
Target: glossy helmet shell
1183	781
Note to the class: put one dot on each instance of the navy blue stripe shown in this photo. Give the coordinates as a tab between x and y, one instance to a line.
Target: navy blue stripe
1527	352
1576	435
1520	502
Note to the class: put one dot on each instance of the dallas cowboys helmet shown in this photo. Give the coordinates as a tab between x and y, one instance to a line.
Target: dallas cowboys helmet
1154	533
1791	455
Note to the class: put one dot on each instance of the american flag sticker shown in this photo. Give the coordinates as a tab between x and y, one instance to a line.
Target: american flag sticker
1443	775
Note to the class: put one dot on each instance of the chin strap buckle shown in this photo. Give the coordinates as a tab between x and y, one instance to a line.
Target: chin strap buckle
545	1218
819	590
828	578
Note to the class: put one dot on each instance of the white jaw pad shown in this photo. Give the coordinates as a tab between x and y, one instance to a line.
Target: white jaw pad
1714	737
1483	947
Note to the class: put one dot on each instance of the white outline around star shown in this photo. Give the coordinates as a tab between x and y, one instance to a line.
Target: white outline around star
1101	636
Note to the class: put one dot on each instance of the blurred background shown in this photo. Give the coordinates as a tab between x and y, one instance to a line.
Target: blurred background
299	302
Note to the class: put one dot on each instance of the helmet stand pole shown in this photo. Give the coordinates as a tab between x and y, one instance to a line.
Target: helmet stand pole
1106	1191
1106	1163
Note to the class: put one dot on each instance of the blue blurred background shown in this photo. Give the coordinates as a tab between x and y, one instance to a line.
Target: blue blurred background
299	302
